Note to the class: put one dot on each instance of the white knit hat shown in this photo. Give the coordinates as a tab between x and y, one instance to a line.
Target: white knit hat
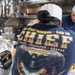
53	9
73	9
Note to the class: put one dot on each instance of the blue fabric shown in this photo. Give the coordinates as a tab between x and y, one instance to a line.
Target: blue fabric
64	38
67	23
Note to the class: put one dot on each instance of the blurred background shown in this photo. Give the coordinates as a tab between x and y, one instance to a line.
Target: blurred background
16	14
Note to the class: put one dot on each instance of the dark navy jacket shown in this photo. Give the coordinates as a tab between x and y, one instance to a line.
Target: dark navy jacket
67	22
46	37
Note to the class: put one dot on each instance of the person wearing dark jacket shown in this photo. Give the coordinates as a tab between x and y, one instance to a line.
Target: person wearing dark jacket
68	21
45	48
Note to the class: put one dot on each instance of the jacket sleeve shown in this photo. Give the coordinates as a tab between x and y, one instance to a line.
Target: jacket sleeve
17	54
18	58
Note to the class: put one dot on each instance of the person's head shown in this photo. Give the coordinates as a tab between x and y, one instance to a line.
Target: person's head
73	14
50	13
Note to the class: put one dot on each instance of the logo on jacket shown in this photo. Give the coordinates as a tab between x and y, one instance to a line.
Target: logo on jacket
37	61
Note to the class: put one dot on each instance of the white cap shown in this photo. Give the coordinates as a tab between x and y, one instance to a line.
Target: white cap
73	9
54	10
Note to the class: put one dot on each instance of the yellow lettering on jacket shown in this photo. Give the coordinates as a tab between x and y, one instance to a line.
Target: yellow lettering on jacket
39	39
50	40
65	41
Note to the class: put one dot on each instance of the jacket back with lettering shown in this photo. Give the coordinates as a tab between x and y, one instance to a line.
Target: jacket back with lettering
44	50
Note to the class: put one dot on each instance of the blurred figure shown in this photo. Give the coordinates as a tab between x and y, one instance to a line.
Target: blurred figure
45	48
69	21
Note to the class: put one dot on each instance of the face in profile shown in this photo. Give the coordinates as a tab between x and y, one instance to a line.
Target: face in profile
73	16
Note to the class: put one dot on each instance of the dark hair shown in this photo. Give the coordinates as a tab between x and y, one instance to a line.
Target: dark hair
54	20
43	16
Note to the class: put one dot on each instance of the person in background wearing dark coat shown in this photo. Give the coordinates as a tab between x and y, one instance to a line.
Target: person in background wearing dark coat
68	21
45	48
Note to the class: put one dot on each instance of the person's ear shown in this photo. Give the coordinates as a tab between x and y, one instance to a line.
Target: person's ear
60	23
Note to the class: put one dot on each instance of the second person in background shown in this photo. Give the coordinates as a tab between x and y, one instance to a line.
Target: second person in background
68	21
